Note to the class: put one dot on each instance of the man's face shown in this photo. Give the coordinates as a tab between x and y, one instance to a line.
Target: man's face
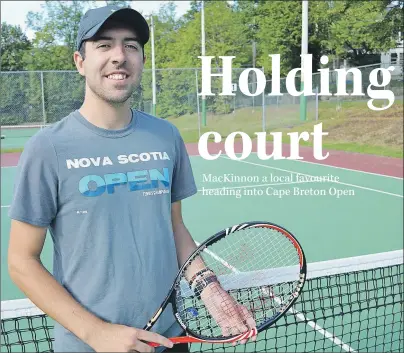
113	64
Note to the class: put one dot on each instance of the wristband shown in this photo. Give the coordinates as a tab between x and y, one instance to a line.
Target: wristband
198	274
202	284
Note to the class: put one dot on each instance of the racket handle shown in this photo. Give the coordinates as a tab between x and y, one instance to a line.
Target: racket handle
177	340
189	339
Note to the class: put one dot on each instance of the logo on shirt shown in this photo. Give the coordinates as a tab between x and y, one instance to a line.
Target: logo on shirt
153	181
147	179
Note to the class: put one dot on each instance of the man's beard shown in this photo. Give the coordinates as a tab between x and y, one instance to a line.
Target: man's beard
119	98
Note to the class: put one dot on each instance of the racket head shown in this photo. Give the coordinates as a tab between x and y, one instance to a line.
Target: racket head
269	300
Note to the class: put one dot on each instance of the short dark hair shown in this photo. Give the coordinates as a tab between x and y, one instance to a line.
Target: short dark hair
82	50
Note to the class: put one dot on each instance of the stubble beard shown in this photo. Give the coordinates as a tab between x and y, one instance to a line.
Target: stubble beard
119	98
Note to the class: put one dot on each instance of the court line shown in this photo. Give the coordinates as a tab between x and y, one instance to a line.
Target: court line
331	166
5	206
336	167
348	169
297	313
338	182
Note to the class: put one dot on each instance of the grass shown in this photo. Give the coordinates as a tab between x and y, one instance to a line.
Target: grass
11	150
351	125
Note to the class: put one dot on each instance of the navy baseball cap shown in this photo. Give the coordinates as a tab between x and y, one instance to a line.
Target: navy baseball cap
93	20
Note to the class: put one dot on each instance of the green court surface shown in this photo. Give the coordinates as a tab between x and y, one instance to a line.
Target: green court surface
358	215
15	137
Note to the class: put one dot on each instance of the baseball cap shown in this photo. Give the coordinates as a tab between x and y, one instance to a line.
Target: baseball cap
93	19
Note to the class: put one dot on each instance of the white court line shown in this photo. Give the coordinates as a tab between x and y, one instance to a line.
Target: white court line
5	206
338	182
297	313
254	186
348	169
333	166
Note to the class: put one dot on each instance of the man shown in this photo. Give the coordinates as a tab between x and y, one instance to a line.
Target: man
107	181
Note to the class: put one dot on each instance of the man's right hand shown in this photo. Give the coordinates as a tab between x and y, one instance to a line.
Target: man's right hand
28	273
120	338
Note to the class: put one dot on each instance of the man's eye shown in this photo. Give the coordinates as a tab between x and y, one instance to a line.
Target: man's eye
132	46
102	46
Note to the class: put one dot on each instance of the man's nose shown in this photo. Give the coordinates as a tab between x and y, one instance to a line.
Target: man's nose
118	55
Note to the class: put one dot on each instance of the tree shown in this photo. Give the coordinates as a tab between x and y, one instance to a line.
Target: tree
194	8
13	45
345	29
280	33
180	47
56	31
363	27
121	3
249	12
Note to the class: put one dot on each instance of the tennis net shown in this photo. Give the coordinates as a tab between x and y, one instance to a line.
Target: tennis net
347	305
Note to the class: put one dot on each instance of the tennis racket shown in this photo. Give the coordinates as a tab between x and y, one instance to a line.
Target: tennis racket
236	284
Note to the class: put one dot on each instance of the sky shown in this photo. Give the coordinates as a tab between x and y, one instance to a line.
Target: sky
15	12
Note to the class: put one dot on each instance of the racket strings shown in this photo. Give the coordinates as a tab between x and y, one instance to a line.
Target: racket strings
262	307
256	242
249	265
279	247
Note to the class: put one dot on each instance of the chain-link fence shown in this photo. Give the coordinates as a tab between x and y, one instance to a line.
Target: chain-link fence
39	98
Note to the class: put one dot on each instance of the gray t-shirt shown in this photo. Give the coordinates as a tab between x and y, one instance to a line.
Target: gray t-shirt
106	198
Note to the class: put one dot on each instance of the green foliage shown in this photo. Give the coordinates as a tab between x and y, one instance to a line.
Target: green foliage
20	98
64	92
56	31
345	29
13	45
279	33
178	45
49	58
362	27
121	3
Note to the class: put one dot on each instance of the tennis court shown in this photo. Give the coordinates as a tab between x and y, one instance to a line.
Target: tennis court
16	136
351	230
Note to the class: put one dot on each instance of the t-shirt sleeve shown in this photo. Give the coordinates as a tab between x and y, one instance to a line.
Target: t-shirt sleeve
35	188
183	182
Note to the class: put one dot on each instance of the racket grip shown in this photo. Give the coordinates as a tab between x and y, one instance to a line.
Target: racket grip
177	340
189	339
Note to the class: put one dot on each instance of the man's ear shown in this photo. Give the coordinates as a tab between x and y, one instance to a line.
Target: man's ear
78	60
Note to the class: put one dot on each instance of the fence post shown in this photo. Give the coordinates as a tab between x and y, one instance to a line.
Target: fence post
153	69
316	103
43	100
264	124
197	102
